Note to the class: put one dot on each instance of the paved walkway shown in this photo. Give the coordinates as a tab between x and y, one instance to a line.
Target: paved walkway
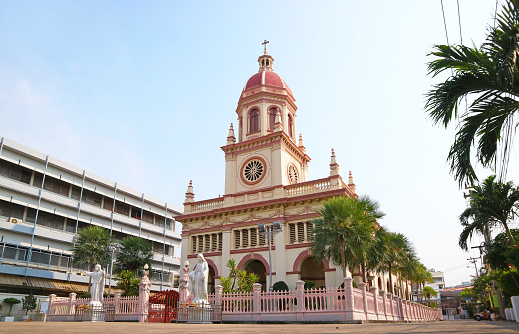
453	326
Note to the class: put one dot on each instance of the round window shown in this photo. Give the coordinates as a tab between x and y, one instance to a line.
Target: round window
292	174
253	170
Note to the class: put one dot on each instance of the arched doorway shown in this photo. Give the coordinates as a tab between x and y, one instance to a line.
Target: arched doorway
210	280
257	267
313	271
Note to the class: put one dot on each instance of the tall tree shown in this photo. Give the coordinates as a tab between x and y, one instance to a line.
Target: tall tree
344	231
135	252
491	203
489	77
398	247
90	247
422	276
428	292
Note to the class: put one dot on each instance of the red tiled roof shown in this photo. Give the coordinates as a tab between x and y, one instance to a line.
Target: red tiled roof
267	78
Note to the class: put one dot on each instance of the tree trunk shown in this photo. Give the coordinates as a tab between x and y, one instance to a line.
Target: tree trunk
390	280
343	259
508	230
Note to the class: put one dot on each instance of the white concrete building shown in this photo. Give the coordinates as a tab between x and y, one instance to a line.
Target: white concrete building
439	281
45	201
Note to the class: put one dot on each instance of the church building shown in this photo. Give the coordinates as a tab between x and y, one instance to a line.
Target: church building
266	167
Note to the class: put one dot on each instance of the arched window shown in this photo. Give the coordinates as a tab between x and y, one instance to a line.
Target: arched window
272	117
254	121
290	126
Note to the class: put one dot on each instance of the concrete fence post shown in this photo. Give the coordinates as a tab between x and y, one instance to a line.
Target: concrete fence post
117	300
362	287
256	307
300	295
373	291
382	293
391	306
52	298
218	294
348	292
71	306
144	297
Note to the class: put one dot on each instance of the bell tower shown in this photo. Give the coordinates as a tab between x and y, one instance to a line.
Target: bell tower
265	152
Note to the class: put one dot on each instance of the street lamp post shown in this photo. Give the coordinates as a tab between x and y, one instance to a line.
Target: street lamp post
269	231
112	248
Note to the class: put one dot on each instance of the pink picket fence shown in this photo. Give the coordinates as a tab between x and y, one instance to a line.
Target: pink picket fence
66	308
346	304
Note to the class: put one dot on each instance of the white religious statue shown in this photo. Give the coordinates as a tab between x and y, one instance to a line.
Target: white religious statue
198	280
97	288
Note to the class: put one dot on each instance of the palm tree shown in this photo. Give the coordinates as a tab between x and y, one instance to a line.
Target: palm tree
134	254
398	247
423	276
427	293
344	231
90	247
407	267
491	203
489	77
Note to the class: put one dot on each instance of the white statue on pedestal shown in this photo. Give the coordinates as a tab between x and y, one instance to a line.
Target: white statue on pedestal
198	280
97	288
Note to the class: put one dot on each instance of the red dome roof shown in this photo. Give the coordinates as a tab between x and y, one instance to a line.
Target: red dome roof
267	78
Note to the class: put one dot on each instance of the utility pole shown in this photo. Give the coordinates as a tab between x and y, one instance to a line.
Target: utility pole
473	260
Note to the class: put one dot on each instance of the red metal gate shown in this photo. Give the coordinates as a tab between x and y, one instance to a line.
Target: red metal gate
163	306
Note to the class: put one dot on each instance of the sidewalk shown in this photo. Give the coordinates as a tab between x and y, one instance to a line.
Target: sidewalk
458	326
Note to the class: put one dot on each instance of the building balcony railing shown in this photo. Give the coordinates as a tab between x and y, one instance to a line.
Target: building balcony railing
308	187
208	204
293	190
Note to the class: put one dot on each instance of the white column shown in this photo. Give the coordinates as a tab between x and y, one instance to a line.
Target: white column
278	256
184	249
226	253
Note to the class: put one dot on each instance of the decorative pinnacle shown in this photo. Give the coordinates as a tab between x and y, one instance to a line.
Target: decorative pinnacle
351	184
190	195
334	166
301	145
231	139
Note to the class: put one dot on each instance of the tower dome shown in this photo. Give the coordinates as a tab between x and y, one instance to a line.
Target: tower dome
266	75
266	100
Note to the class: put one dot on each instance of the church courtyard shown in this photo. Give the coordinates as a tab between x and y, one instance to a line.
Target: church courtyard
453	326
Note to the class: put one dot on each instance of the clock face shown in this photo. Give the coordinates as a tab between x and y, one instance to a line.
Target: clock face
293	176
253	170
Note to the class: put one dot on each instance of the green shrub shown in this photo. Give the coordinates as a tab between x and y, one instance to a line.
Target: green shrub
11	302
309	285
29	303
355	285
280	286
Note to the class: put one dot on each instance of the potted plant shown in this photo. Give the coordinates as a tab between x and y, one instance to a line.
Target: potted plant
10	302
28	304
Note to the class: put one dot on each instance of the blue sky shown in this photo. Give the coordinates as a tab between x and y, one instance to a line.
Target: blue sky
143	93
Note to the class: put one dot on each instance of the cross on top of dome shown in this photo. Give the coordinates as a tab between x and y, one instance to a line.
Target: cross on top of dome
265	42
265	61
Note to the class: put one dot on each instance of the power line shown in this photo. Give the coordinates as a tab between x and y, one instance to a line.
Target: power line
445	23
459	266
459	21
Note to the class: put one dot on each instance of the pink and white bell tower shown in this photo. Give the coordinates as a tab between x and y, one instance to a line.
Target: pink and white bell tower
265	153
